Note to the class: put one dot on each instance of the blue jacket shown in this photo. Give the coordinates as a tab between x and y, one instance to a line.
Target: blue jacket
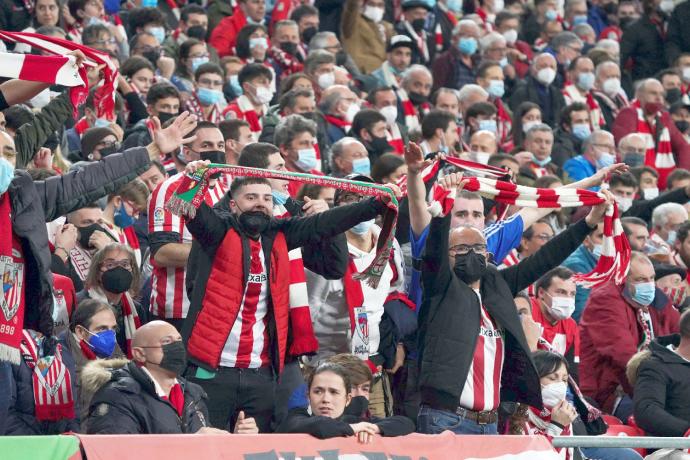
579	168
580	261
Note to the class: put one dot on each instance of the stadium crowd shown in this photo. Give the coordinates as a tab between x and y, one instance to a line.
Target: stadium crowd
249	315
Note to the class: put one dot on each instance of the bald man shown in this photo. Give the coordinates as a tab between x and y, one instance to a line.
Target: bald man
482	146
147	395
651	119
470	332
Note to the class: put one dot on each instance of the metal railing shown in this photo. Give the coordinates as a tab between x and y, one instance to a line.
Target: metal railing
634	442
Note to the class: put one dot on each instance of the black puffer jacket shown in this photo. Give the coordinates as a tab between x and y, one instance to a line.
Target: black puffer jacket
449	318
35	203
662	390
127	403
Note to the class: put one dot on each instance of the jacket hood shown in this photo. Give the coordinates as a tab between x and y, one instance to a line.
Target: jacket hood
99	372
659	349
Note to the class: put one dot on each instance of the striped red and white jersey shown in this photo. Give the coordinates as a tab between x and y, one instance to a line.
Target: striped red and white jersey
482	390
247	343
168	294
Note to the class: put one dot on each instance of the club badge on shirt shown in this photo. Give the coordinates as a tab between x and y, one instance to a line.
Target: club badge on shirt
360	335
12	280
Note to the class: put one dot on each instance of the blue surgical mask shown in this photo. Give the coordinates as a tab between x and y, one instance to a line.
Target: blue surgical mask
361	166
121	218
672	235
362	227
149	3
102	123
581	131
579	19
487	125
596	251
585	81
496	88
258	41
198	61
6	174
605	160
551	15
235	85
454	6
644	293
306	159
543	162
209	96
503	62
467	45
158	32
103	343
279	198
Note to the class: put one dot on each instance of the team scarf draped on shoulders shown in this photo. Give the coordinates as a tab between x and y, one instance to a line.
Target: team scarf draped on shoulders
614	262
58	68
192	188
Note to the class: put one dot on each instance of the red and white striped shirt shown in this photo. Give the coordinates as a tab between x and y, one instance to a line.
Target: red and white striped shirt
168	294
247	344
482	390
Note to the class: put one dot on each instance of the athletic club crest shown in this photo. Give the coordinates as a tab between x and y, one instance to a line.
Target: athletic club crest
360	334
12	279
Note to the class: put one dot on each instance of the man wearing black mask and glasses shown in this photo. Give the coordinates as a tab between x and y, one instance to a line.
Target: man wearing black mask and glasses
468	314
148	395
237	328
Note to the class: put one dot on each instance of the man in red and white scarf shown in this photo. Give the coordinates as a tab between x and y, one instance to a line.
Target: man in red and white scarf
579	87
608	92
385	101
285	54
666	146
207	101
398	59
255	80
339	106
412	25
413	96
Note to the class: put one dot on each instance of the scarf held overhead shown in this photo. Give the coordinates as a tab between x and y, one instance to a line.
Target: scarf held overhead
614	261
191	191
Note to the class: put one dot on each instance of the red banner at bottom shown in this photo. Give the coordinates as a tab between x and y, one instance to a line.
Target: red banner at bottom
301	447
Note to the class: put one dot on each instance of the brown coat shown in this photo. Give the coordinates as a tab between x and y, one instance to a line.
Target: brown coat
362	38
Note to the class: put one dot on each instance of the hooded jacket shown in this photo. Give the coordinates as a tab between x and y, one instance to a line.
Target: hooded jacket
662	390
125	402
609	337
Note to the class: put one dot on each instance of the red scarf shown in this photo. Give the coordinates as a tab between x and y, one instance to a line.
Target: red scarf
129	315
412	115
339	122
176	398
244	110
504	123
359	323
285	61
572	94
194	106
81	126
660	155
87	351
52	383
394	138
12	314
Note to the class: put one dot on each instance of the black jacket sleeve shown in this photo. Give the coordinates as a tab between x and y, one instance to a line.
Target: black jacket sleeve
137	109
61	195
397	425
435	261
299	421
644	208
551	255
304	230
207	226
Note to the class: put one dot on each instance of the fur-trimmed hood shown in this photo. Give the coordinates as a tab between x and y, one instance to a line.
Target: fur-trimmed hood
98	372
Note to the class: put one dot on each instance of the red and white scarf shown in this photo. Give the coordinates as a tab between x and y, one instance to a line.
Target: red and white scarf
504	123
129	314
194	106
287	63
339	122
51	380
46	69
659	151
614	262
572	94
303	338
248	114
394	138
616	103
11	310
412	115
419	40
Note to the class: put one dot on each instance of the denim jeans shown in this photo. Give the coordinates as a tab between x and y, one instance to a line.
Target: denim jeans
610	453
435	421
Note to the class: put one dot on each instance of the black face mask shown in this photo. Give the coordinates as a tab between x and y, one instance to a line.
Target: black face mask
470	267
416	98
289	47
165	116
626	22
308	34
109	150
340	58
117	280
380	145
309	115
85	234
174	357
152	56
198	32
673	95
214	156
418	24
254	222
682	126
633	159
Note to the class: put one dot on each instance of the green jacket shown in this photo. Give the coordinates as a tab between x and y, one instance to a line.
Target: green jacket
30	137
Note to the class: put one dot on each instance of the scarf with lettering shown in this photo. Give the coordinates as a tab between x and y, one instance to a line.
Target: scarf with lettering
192	189
51	380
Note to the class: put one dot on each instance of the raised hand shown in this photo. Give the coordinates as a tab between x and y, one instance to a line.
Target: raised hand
414	159
597	213
171	138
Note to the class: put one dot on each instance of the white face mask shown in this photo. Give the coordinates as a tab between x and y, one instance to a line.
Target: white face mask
686	74
373	13
326	80
553	393
611	86
511	36
264	94
391	114
351	112
480	157
562	307
529	125
546	75
650	193
624	203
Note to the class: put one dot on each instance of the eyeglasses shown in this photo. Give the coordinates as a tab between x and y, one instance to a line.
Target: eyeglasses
641	151
351	198
608	147
110	41
207	82
543	236
109	264
462	249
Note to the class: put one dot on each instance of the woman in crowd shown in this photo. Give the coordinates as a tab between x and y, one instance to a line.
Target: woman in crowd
329	393
121	212
46	13
252	44
388	169
193	53
140	75
527	115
